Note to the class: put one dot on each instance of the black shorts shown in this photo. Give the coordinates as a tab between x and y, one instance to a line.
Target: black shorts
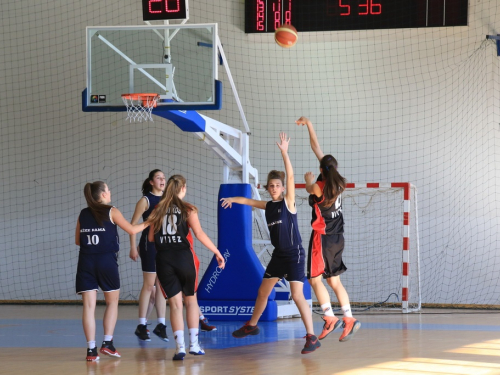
325	255
288	264
97	271
147	252
177	272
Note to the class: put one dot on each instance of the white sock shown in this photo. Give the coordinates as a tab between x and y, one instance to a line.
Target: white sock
327	309
202	317
161	321
193	335
347	311
179	337
142	321
108	337
91	344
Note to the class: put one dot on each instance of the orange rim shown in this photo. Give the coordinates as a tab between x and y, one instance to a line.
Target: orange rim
147	98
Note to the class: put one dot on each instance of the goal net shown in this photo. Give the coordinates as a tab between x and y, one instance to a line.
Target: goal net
381	244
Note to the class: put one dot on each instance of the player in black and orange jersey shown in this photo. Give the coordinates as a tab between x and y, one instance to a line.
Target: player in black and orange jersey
288	258
176	262
327	239
97	236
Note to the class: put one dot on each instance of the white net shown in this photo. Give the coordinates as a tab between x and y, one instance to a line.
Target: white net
373	253
139	106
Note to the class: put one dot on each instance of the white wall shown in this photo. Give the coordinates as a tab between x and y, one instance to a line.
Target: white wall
418	105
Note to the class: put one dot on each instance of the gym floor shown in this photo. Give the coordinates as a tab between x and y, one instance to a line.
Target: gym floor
48	339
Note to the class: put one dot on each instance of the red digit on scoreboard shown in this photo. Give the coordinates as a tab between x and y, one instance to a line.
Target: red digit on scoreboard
370	7
288	14
151	8
260	15
177	7
347	8
277	14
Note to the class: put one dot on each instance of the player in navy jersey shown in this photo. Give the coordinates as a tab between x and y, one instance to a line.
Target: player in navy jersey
288	258
97	236
327	239
152	189
176	262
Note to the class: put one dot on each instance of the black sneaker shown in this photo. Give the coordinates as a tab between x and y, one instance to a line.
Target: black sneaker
246	330
206	327
92	355
312	343
108	349
142	332
161	331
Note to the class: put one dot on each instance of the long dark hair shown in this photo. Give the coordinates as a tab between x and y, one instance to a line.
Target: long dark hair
92	192
168	200
334	182
146	186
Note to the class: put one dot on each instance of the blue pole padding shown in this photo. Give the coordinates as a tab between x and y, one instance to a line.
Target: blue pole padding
230	293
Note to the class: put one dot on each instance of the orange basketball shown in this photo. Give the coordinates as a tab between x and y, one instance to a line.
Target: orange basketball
286	36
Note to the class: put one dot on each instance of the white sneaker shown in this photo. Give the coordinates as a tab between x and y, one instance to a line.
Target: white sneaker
195	349
180	353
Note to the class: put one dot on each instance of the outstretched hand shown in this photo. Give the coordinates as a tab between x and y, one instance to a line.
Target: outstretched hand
303	121
284	142
227	203
309	177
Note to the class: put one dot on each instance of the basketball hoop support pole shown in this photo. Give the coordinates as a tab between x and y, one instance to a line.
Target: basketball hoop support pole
497	39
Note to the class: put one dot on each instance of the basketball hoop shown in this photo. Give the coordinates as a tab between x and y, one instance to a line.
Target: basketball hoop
140	106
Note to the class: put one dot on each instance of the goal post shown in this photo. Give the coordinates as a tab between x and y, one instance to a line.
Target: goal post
381	244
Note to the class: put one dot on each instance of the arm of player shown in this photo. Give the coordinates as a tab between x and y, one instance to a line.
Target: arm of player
119	220
311	185
228	202
77	233
140	207
194	223
313	138
290	179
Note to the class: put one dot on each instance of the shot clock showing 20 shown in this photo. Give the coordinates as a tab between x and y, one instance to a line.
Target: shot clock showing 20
157	10
324	15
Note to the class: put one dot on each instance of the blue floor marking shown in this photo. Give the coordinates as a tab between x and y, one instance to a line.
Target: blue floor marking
68	333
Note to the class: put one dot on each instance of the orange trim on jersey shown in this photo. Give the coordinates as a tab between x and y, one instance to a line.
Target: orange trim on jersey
319	228
196	261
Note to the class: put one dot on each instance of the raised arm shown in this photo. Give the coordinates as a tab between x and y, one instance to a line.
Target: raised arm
140	207
194	223
228	202
313	139
119	220
290	179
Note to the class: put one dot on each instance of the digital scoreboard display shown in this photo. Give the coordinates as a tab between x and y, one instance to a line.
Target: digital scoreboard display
263	16
157	10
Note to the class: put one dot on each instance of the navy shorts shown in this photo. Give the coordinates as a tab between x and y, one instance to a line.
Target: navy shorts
97	271
288	264
147	252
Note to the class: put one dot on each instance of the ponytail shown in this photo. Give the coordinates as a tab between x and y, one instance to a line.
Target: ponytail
92	192
146	186
169	199
334	182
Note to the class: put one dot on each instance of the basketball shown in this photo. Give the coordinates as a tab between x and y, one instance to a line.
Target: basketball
286	36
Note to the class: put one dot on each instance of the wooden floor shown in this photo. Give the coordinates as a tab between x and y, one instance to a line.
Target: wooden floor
49	340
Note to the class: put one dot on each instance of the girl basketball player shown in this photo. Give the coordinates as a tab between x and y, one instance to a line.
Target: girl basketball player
176	262
288	258
327	239
97	236
152	189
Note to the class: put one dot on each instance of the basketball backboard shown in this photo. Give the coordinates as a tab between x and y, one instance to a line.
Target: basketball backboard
179	62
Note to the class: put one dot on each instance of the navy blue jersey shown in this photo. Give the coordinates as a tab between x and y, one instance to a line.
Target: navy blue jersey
152	201
95	238
282	224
